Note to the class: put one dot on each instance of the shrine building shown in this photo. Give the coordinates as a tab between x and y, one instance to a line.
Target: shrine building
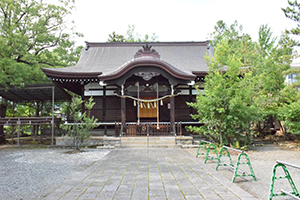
139	88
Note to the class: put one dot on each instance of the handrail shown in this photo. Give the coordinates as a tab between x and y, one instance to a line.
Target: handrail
240	151
288	164
289	194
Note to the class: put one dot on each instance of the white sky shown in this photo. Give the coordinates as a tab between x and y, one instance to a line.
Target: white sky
175	20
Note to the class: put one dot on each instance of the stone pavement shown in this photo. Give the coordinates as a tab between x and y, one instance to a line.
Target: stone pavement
152	173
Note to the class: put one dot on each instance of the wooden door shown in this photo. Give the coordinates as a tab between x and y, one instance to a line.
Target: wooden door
148	110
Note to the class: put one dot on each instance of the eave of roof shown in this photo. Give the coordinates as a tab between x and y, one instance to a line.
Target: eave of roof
33	92
53	72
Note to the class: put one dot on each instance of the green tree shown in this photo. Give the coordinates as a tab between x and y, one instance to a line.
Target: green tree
271	73
265	40
115	37
33	34
226	107
240	43
289	111
268	60
232	33
244	84
293	12
83	122
131	36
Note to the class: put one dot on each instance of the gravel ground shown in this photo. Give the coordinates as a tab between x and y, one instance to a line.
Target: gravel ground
262	159
34	173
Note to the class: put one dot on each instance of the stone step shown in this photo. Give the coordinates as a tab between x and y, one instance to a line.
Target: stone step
101	132
139	142
122	145
149	138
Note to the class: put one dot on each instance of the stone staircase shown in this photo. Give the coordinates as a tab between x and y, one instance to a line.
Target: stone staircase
142	142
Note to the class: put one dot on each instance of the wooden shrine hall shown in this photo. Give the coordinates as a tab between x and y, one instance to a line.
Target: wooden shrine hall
139	88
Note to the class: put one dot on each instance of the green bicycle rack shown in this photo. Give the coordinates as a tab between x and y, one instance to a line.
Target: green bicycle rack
211	147
202	145
295	194
240	163
224	148
236	168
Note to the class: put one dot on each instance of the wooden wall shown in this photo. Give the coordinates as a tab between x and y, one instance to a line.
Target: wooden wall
113	110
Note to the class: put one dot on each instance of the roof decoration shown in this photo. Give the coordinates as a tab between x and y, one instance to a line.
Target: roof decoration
146	51
147	75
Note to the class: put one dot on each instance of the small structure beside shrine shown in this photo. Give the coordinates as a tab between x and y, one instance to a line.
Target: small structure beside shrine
140	89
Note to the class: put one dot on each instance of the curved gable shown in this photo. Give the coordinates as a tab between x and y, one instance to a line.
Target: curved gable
146	61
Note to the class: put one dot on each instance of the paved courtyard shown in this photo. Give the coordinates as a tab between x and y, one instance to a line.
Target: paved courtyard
153	173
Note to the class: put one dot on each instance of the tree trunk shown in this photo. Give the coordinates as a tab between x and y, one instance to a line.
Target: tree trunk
249	139
221	137
283	131
3	108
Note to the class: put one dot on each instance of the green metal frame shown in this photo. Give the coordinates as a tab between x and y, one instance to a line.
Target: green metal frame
237	168
211	147
287	176
202	145
220	156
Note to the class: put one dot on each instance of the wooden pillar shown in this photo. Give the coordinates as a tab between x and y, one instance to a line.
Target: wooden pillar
138	103
52	121
104	109
157	106
123	113
19	123
3	108
172	114
82	97
190	98
104	104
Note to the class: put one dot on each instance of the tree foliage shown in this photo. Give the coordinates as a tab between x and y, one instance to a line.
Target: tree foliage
34	34
289	109
226	107
131	36
244	84
293	12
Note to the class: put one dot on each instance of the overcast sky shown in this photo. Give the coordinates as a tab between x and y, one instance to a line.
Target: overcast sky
175	20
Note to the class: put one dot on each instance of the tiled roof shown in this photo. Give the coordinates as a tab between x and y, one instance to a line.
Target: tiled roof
108	58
